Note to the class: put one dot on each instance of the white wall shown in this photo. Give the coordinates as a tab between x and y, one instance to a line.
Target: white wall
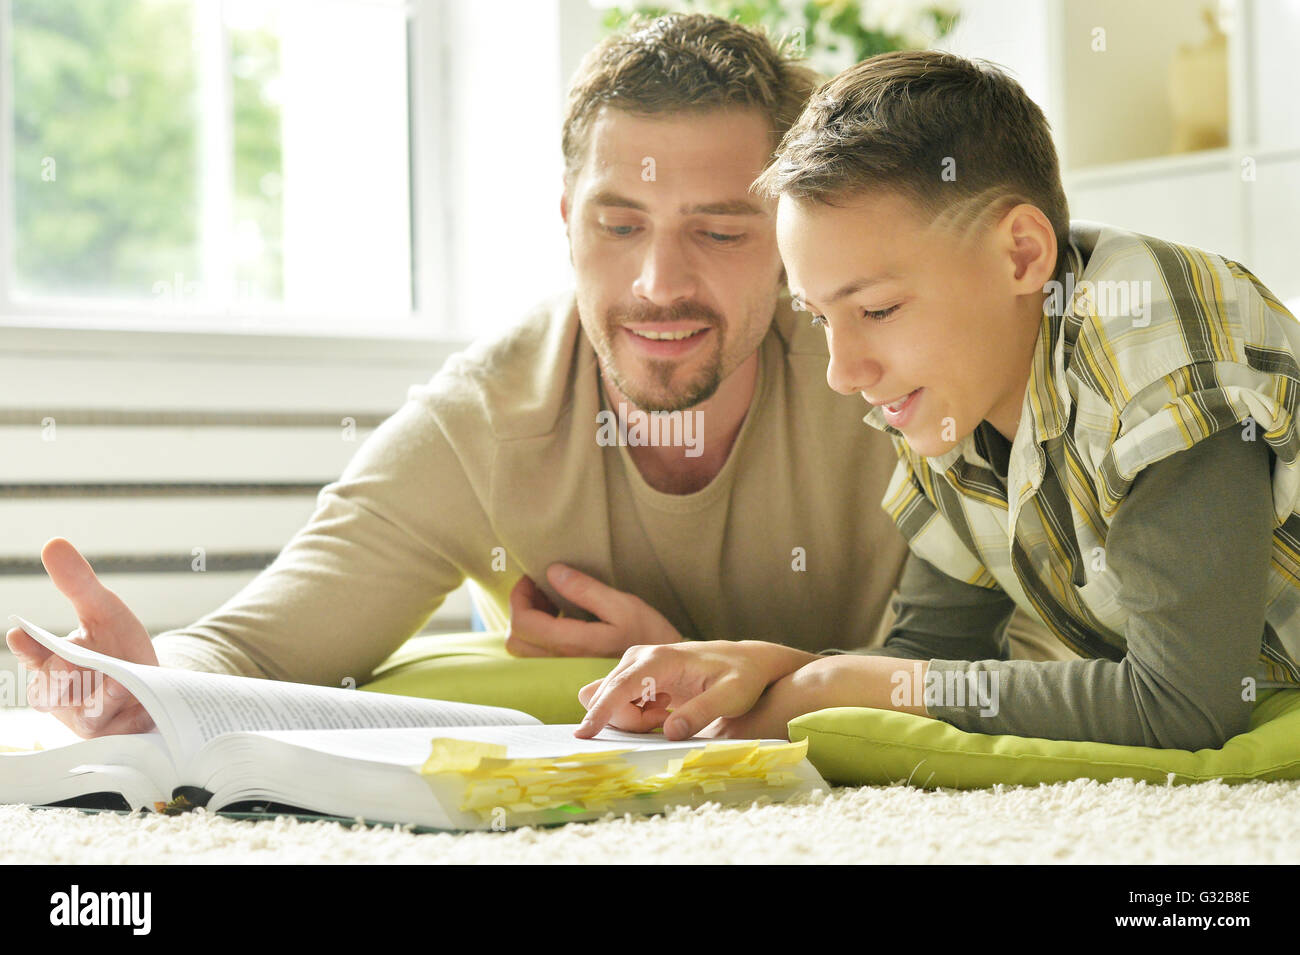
1108	106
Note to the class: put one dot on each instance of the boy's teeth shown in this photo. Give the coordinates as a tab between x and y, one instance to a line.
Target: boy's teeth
667	336
897	406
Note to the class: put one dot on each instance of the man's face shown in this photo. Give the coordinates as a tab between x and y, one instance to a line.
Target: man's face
677	267
909	306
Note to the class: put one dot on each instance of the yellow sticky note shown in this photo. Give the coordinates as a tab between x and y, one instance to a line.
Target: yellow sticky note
459	755
718	754
21	749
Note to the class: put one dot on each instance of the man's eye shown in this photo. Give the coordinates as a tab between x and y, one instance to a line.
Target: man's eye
724	238
881	315
619	230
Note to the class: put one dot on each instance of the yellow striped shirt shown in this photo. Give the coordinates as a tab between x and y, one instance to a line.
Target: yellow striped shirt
1145	349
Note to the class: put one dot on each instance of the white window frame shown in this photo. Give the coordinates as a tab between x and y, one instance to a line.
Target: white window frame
32	327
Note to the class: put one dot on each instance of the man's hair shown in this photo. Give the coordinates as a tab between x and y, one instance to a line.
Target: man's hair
684	62
897	122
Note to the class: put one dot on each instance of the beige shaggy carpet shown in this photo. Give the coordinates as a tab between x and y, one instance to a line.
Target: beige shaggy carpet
1077	822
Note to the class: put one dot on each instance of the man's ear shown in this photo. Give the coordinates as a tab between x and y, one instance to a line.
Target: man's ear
1031	242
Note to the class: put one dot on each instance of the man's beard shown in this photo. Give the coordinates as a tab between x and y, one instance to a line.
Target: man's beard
658	394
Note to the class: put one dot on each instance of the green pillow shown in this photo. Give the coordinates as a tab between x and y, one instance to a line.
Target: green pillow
857	746
476	668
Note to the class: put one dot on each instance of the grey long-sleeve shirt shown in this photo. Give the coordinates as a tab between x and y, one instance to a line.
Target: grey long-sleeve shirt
1191	545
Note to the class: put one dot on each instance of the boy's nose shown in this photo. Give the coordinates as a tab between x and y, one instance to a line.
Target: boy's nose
850	370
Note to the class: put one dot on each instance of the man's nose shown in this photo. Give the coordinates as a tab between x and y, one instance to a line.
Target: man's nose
851	368
667	275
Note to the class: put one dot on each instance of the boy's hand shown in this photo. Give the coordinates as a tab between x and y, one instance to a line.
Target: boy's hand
803	691
825	682
86	701
625	621
700	681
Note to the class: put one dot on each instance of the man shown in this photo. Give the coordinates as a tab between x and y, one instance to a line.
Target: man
666	432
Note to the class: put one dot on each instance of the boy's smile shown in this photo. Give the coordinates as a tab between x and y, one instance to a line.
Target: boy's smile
899	411
936	326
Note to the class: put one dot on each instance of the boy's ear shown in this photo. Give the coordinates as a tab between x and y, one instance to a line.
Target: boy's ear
1032	243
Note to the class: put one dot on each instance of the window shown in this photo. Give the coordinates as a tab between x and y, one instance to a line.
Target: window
207	164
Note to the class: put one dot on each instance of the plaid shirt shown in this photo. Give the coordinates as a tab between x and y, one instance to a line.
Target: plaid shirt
1145	349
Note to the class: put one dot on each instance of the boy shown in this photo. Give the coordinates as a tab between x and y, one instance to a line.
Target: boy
1092	425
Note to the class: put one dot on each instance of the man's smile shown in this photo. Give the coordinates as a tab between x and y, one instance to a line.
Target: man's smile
665	334
666	340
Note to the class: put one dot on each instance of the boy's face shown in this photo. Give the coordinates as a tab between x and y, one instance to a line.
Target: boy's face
914	309
666	241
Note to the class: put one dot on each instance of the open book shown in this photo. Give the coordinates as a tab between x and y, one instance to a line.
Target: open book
225	740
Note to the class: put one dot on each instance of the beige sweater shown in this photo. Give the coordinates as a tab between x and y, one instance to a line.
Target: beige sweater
788	543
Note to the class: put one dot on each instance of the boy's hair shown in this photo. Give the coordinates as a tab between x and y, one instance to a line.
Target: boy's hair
900	121
694	62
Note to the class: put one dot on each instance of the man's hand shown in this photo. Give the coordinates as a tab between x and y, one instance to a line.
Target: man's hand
107	625
700	682
624	620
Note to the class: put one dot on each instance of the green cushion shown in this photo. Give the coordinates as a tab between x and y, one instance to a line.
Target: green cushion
475	668
854	746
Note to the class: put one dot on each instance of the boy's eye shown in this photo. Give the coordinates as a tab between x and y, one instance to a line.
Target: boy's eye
881	315
818	320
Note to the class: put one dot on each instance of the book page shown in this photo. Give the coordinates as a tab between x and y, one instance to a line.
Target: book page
643	740
191	708
411	747
87	766
207	705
